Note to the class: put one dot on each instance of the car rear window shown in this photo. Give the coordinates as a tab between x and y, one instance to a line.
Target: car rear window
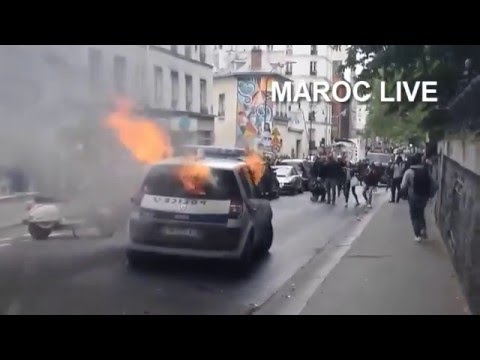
162	181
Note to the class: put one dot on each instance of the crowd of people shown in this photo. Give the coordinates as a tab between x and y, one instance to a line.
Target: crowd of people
331	176
409	179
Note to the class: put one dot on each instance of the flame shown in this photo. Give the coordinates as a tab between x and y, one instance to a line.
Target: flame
147	142
256	166
194	176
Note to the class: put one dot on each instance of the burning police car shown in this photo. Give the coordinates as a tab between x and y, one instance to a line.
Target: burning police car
207	208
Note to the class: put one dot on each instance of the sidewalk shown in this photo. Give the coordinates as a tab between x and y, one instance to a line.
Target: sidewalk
386	272
12	209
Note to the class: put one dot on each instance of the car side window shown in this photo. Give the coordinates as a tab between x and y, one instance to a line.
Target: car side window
294	171
247	184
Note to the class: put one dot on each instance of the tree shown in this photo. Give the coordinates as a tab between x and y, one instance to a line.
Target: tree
390	63
398	126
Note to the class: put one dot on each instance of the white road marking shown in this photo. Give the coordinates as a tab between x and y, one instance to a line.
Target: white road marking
3	245
6	239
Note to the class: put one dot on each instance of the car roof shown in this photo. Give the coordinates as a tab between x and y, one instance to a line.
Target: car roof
293	160
215	163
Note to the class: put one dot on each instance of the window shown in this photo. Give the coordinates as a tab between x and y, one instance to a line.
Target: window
203	96
120	74
95	68
204	137
174	49
270	47
161	181
203	53
188	92
288	68
289	49
220	47
313	68
158	84
313	50
221	105
175	89
188	51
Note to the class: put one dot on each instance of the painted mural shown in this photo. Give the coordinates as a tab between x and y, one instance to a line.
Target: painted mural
255	113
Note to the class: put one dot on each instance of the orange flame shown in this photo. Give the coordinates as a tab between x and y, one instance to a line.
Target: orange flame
147	142
194	177
256	166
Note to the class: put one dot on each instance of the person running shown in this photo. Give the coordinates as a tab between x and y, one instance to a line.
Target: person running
351	182
420	187
398	169
371	181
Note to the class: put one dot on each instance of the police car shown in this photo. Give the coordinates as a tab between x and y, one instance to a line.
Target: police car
226	221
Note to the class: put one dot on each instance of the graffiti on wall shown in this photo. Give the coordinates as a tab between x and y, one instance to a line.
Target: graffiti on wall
254	112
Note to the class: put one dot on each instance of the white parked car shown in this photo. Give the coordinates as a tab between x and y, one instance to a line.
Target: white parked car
290	180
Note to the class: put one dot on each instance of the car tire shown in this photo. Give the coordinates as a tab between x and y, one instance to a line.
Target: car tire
136	259
38	233
244	265
268	240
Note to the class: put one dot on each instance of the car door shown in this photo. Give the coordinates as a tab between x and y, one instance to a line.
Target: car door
296	176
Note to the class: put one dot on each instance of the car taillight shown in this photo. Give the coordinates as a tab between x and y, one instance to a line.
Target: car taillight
236	209
137	198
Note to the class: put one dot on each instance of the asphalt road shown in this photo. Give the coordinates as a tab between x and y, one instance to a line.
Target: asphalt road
64	275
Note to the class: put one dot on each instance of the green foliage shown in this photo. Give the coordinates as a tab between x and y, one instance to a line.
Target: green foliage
399	125
390	63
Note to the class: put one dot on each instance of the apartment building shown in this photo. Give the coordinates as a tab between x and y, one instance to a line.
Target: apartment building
300	63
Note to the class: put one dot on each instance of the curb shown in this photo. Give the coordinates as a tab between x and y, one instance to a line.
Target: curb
10	226
16	197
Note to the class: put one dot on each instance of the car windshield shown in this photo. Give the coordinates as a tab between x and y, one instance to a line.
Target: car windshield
283	171
378	157
162	181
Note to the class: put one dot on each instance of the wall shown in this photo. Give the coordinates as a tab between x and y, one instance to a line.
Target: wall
226	126
458	217
255	111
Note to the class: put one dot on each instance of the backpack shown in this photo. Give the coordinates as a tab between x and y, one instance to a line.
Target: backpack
422	182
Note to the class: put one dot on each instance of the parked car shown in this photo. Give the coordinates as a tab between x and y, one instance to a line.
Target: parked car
290	180
303	168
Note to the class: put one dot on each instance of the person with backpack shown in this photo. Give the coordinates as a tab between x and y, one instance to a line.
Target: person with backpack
419	186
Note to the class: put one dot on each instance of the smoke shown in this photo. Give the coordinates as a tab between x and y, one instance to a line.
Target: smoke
52	128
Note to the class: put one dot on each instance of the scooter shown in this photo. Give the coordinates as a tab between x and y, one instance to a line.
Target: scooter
45	216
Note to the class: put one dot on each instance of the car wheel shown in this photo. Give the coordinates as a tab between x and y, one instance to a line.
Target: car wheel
136	259
38	233
268	240
245	263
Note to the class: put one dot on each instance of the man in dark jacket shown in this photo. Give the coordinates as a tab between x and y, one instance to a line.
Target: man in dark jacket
420	187
371	181
318	179
332	173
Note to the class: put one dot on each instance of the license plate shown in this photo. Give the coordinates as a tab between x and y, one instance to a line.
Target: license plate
170	231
